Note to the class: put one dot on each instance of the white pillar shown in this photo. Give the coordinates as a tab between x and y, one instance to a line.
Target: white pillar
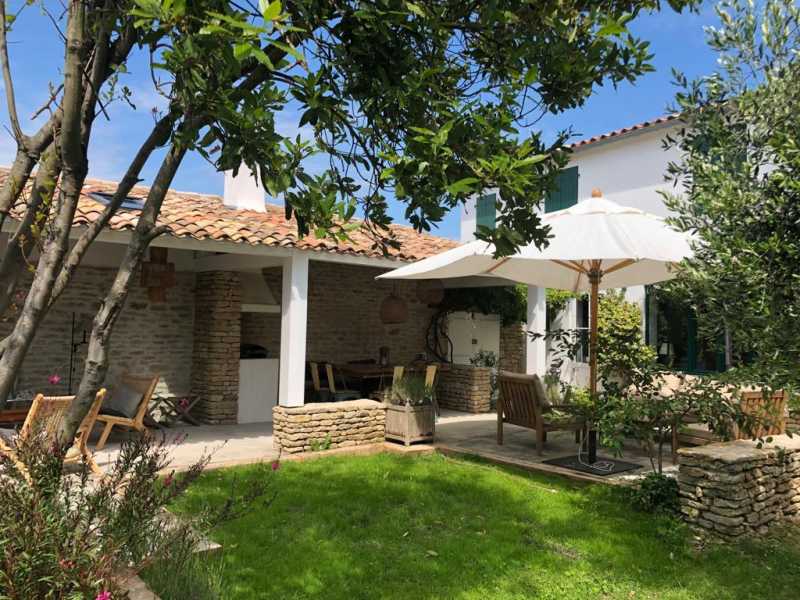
536	350
294	314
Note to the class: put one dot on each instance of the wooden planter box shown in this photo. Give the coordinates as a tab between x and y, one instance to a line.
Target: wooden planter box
410	424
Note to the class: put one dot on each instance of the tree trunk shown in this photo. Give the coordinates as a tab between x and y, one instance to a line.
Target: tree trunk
22	242
728	349
96	366
57	239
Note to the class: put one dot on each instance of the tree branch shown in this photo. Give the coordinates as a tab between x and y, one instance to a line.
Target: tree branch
157	138
7	80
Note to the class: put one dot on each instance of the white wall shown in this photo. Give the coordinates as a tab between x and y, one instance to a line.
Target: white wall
468	225
629	171
472	332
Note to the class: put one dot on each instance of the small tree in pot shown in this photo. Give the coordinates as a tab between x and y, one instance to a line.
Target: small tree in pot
410	412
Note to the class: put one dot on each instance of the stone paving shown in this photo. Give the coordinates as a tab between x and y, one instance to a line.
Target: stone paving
231	445
477	435
456	432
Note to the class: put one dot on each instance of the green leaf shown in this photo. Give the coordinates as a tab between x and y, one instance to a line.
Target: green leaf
288	49
462	185
242	51
270	10
415	8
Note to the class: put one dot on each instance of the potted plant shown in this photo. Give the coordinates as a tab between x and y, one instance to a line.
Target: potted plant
410	414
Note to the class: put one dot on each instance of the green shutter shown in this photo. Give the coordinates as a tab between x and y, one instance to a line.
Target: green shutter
565	193
485	210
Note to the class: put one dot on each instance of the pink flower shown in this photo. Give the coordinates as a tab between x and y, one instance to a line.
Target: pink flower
183	403
54	379
276	464
168	480
104	595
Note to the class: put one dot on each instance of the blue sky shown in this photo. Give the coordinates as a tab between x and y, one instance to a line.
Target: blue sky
677	40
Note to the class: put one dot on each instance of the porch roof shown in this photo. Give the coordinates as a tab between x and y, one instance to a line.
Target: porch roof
204	217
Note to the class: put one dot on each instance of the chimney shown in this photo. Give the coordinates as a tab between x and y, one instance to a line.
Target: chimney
243	192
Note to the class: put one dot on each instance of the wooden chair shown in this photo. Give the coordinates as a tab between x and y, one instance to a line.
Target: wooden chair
342	393
45	415
321	394
146	386
522	402
769	414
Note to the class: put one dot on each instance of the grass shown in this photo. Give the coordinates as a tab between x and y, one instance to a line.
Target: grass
389	526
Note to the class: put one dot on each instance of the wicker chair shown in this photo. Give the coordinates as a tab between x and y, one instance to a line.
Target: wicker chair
522	402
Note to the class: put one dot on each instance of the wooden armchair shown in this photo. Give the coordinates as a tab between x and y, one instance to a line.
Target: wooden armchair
522	402
769	416
144	385
321	394
45	415
338	395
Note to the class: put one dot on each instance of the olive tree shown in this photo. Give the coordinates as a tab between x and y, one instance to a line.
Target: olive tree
739	183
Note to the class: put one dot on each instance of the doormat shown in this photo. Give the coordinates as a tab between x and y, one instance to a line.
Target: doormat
603	467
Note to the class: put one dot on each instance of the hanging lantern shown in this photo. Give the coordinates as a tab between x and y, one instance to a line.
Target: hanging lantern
430	291
394	309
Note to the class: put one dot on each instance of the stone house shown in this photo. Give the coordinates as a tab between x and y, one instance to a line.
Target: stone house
232	271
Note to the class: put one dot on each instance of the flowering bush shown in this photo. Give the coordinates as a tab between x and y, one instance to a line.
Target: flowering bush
65	535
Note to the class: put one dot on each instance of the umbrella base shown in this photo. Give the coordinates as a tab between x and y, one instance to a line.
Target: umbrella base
602	467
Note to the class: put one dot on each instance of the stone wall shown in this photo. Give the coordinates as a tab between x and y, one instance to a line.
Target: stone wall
148	337
735	488
332	424
344	314
217	328
465	388
512	348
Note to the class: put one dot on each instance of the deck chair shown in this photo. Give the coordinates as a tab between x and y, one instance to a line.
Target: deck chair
522	402
338	395
45	415
145	386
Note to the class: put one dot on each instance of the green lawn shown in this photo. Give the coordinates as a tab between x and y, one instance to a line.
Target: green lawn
390	526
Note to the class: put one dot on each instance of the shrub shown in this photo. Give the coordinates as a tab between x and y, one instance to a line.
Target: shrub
621	348
64	535
656	493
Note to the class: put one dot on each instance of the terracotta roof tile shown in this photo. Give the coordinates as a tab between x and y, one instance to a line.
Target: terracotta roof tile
623	131
204	217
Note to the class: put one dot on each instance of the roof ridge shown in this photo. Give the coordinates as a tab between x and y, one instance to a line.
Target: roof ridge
624	130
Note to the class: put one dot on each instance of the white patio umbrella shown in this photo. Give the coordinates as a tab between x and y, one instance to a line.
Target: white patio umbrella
596	244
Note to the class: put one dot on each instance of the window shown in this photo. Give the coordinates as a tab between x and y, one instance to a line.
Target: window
679	344
485	210
130	202
566	191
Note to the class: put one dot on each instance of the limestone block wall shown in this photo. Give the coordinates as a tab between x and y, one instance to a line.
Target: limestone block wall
217	334
735	488
465	388
344	314
512	348
349	423
148	337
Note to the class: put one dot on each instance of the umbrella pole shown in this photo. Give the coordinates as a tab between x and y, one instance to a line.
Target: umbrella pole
594	279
